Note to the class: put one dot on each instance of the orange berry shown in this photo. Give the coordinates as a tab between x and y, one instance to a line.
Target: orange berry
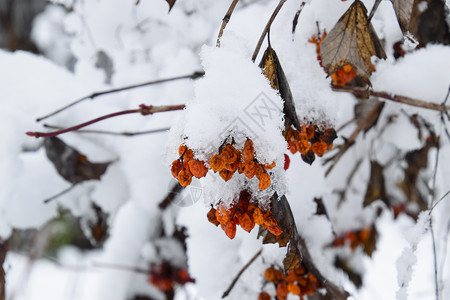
246	221
229	154
184	177
272	274
264	181
319	148
188	153
258	216
217	163
259	171
226	175
264	296
232	167
282	290
292	147
249	169
230	229
364	234
223	215
212	216
197	168
303	146
275	230
294	288
176	168
249	150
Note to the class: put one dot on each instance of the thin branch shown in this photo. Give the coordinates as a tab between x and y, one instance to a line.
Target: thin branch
266	29
436	280
194	75
227	292
125	133
143	110
362	92
295	20
437	202
170	197
225	20
65	191
351	140
374	9
3	251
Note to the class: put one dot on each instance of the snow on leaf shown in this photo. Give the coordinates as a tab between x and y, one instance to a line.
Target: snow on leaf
71	164
351	41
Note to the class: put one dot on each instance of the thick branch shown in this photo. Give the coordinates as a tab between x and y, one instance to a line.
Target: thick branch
266	29
194	75
225	20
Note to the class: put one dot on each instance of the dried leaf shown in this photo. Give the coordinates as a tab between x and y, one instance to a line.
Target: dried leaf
403	10
274	72
292	258
375	188
351	41
71	164
429	25
416	161
171	4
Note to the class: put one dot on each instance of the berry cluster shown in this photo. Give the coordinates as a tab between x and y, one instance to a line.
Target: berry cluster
244	213
186	166
227	162
166	276
297	282
310	141
353	238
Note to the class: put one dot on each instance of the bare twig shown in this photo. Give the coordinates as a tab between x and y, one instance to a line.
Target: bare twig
351	140
173	193
225	20
437	202
361	92
143	110
65	191
125	133
194	75
227	292
266	29
374	9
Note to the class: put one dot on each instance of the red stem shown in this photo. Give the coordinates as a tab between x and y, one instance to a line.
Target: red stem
55	133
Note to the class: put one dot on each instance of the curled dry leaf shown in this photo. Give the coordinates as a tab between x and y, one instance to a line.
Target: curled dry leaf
376	188
274	72
352	41
403	10
72	165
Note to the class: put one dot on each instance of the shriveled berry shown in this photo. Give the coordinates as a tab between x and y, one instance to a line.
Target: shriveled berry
184	177
217	163
176	168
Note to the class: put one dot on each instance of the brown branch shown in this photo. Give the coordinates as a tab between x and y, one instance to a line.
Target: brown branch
225	21
266	29
124	133
171	195
194	75
235	280
143	110
361	93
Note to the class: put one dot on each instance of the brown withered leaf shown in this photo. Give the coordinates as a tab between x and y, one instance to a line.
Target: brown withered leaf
429	25
417	160
376	188
352	41
72	165
272	69
403	10
344	265
171	3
